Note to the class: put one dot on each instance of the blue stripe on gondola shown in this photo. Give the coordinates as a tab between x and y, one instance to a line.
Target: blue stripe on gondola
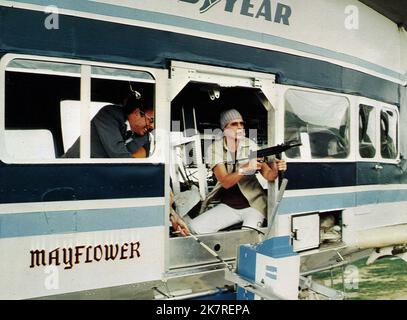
60	222
313	175
320	175
48	223
316	202
37	183
112	42
117	11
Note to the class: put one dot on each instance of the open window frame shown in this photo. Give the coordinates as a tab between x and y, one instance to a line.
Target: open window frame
86	72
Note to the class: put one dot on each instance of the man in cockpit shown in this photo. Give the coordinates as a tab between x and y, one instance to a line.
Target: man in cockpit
119	131
242	198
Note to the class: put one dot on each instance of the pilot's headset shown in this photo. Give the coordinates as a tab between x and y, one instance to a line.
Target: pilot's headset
138	96
134	92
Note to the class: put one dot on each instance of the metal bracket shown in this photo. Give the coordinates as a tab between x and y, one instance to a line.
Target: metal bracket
257	83
251	286
273	213
397	251
331	294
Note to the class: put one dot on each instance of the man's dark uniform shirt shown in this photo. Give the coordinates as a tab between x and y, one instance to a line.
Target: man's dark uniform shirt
109	134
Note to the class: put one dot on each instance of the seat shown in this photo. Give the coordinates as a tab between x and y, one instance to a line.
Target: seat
367	150
30	144
185	151
70	119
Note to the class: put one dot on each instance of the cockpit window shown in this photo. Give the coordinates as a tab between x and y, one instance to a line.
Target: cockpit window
320	122
367	131
388	134
56	111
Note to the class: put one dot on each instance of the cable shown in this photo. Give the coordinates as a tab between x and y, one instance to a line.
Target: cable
258	231
211	251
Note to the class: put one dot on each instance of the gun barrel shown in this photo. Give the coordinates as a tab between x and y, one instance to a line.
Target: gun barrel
275	150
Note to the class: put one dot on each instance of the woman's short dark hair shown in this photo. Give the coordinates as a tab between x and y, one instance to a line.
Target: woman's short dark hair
132	103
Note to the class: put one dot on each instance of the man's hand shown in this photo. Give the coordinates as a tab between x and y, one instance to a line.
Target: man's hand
281	165
140	153
270	170
178	224
250	168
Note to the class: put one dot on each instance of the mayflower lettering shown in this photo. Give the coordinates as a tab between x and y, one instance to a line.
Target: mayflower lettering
265	9
68	257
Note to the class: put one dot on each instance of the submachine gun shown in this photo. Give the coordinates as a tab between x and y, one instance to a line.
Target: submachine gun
275	150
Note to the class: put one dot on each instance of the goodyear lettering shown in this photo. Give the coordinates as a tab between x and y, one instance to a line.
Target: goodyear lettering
251	8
